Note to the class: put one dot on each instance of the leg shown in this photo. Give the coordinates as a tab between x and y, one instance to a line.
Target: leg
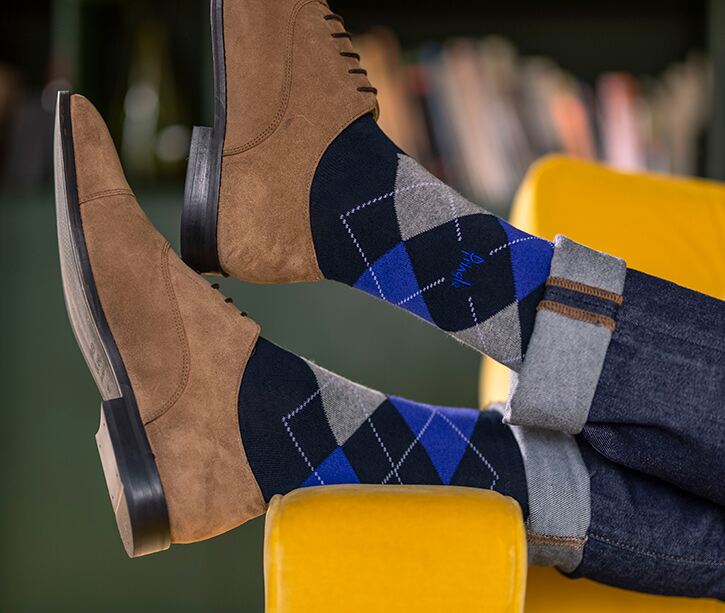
647	392
304	426
296	182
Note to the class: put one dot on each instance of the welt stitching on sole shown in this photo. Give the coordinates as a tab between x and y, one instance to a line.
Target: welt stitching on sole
585	289
578	314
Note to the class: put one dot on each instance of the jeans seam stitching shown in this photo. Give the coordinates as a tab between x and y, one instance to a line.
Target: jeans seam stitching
653	554
624	318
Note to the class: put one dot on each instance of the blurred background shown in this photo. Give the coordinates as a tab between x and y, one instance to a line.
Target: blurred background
476	90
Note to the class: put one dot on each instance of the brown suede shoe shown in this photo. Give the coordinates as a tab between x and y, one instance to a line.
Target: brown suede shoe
286	82
165	349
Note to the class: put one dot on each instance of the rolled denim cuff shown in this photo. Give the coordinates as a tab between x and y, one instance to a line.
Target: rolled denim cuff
558	488
574	324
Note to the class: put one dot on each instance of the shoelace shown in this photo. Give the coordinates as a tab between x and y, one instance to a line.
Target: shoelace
351	54
227	299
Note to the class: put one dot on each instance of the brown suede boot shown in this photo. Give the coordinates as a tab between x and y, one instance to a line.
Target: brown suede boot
166	351
287	82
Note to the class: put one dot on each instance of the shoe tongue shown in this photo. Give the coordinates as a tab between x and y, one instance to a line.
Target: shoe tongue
98	169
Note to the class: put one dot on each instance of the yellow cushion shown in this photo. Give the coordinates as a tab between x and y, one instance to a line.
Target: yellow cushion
670	227
394	548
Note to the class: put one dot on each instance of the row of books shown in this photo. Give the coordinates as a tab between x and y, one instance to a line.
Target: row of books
477	114
473	111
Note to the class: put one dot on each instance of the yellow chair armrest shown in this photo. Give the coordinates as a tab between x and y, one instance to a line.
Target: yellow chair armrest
394	548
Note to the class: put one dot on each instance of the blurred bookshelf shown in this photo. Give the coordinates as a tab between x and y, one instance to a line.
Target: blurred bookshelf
477	90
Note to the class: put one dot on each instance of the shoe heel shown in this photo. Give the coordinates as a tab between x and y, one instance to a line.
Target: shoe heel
133	481
203	174
201	203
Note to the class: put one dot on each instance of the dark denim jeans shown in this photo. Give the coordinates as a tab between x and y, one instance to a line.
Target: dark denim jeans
635	367
654	445
659	406
650	536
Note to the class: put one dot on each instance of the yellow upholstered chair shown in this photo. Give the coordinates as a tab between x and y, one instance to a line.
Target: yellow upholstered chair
670	227
416	548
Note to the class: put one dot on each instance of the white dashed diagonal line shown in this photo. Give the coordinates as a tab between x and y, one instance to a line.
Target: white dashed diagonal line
452	206
421	291
364	257
514	242
343	219
482	348
380	441
415	441
475	449
295	442
390	194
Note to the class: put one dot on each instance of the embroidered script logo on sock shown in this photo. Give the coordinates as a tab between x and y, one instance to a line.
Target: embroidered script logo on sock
469	260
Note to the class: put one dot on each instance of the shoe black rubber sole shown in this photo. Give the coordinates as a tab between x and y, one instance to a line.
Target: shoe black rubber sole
203	174
132	477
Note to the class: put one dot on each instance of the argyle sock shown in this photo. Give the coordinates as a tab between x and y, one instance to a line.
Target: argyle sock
304	426
383	224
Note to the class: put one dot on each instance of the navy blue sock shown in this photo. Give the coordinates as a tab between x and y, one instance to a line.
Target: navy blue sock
304	426
383	224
